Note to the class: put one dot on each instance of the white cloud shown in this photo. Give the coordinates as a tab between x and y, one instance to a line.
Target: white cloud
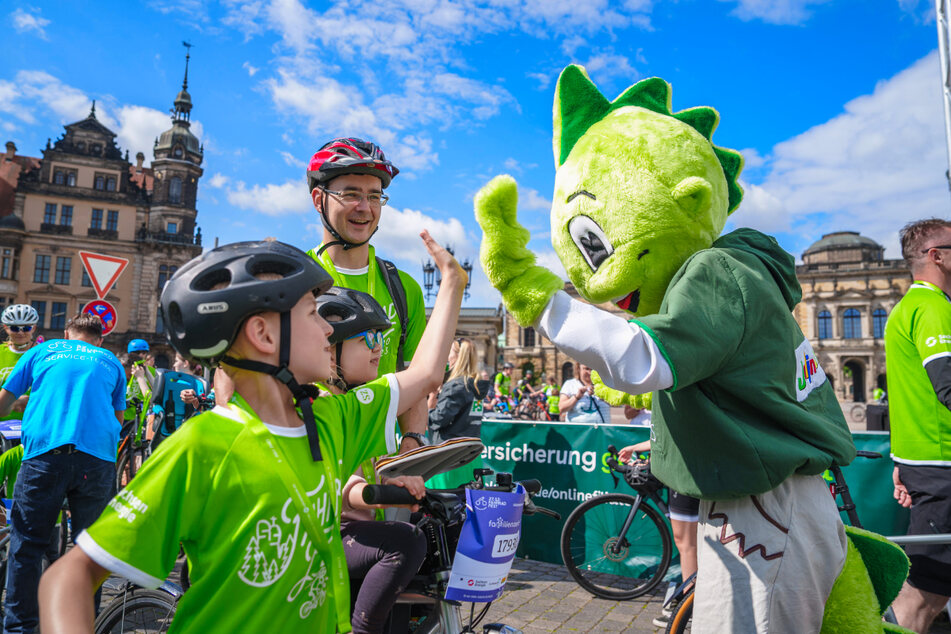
879	164
398	237
530	199
271	200
544	79
551	261
608	66
29	20
252	70
218	180
292	160
774	11
752	159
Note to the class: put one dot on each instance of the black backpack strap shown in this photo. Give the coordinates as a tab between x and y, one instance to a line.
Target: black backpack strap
394	285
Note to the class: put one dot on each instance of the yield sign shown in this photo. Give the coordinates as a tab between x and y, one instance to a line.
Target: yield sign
103	270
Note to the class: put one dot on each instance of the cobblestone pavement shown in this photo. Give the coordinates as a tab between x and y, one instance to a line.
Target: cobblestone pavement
542	597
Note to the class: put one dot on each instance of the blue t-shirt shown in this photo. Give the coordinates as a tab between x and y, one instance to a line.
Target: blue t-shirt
76	390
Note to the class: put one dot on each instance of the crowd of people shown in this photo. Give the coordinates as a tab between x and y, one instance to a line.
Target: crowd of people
324	363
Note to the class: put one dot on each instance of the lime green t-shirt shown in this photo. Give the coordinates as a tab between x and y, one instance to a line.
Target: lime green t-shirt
369	279
502	384
8	359
212	486
10	461
133	391
918	331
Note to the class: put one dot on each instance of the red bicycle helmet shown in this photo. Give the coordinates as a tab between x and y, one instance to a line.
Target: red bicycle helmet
349	156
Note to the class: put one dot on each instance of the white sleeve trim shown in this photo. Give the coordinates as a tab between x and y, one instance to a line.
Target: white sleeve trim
622	352
935	356
391	424
105	559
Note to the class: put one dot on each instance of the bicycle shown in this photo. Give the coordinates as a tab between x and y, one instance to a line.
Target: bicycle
133	448
616	546
534	407
139	610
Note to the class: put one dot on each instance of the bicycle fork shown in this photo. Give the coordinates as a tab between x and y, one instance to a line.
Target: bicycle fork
616	546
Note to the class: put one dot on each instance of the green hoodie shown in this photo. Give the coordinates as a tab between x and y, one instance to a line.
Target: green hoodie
750	404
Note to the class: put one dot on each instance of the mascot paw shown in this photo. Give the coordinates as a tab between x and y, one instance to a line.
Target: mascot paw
526	287
617	398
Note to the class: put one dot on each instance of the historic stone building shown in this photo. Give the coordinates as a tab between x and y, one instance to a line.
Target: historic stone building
848	291
85	195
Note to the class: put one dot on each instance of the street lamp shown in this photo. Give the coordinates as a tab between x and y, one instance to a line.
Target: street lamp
432	277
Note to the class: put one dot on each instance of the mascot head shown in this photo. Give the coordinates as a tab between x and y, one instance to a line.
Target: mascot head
638	189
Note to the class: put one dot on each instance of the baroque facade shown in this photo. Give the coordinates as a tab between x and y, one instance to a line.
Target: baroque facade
85	195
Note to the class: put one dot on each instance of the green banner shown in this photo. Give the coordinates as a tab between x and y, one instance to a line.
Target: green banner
569	460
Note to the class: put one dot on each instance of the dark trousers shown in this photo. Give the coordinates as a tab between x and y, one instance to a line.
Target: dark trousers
386	556
44	481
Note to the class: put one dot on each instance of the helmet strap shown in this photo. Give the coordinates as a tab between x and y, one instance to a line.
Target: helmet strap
303	397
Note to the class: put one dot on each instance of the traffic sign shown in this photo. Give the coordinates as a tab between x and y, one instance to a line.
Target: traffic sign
104	311
103	270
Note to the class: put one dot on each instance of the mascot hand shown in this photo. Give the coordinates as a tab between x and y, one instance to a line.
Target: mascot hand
526	287
617	398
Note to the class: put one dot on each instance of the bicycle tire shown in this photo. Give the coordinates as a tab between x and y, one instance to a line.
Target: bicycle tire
679	621
640	564
125	469
137	610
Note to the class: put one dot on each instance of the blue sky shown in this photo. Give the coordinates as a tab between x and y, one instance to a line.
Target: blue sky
835	105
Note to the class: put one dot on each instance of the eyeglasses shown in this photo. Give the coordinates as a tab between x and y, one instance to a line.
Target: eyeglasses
940	246
372	338
20	328
353	198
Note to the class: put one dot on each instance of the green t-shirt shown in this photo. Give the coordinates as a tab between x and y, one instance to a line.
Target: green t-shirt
132	391
743	414
212	487
369	279
10	461
918	331
553	397
8	359
502	384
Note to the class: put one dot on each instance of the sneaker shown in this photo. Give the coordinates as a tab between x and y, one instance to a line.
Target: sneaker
663	620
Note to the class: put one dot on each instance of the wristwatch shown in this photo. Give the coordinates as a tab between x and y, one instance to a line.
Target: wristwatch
419	438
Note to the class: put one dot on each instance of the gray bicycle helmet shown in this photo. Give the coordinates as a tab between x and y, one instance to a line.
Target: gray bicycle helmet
207	300
351	312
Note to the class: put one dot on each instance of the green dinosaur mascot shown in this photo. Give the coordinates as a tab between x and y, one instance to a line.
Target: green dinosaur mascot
744	417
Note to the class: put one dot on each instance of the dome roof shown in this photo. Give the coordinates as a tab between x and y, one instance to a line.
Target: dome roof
12	221
842	240
178	134
183	97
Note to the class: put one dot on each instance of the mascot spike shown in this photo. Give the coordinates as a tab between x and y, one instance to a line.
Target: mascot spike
732	163
652	93
578	104
702	119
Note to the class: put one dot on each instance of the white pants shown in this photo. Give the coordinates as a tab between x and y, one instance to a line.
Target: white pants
766	563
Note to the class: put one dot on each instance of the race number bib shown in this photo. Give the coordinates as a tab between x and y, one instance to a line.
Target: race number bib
487	545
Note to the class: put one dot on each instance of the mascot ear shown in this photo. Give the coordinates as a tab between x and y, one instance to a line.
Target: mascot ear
578	105
694	195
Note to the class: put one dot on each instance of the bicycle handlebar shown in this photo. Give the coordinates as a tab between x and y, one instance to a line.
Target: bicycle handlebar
388	495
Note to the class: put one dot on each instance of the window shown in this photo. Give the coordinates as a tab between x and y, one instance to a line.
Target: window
86	281
40	308
49	216
159	322
6	264
879	316
64	177
59	177
175	190
172	227
177	152
66	215
825	325
528	337
41	270
58	316
99	182
110	183
71	179
852	324
112	220
63	266
165	274
96	222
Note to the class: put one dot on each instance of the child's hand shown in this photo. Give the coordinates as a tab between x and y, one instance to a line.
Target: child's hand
448	267
414	484
625	454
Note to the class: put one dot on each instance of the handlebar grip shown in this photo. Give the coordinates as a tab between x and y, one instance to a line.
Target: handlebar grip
388	495
612	450
868	454
532	486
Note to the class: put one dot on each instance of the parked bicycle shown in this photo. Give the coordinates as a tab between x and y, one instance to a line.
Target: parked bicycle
617	546
534	407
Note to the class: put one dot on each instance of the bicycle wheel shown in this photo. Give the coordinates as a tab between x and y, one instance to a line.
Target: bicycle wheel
125	468
680	618
137	610
610	565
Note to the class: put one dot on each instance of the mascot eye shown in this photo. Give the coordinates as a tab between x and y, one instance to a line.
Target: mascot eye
590	240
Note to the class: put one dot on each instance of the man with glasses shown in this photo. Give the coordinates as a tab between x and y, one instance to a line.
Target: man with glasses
346	179
918	364
19	322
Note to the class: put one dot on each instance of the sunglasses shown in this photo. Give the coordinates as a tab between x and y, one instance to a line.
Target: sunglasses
372	338
20	328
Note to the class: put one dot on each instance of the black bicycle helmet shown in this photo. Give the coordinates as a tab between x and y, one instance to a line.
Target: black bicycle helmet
351	312
202	321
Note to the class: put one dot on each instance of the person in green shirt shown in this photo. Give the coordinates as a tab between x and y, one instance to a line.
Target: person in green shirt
552	393
346	178
252	489
19	322
139	387
503	387
918	364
